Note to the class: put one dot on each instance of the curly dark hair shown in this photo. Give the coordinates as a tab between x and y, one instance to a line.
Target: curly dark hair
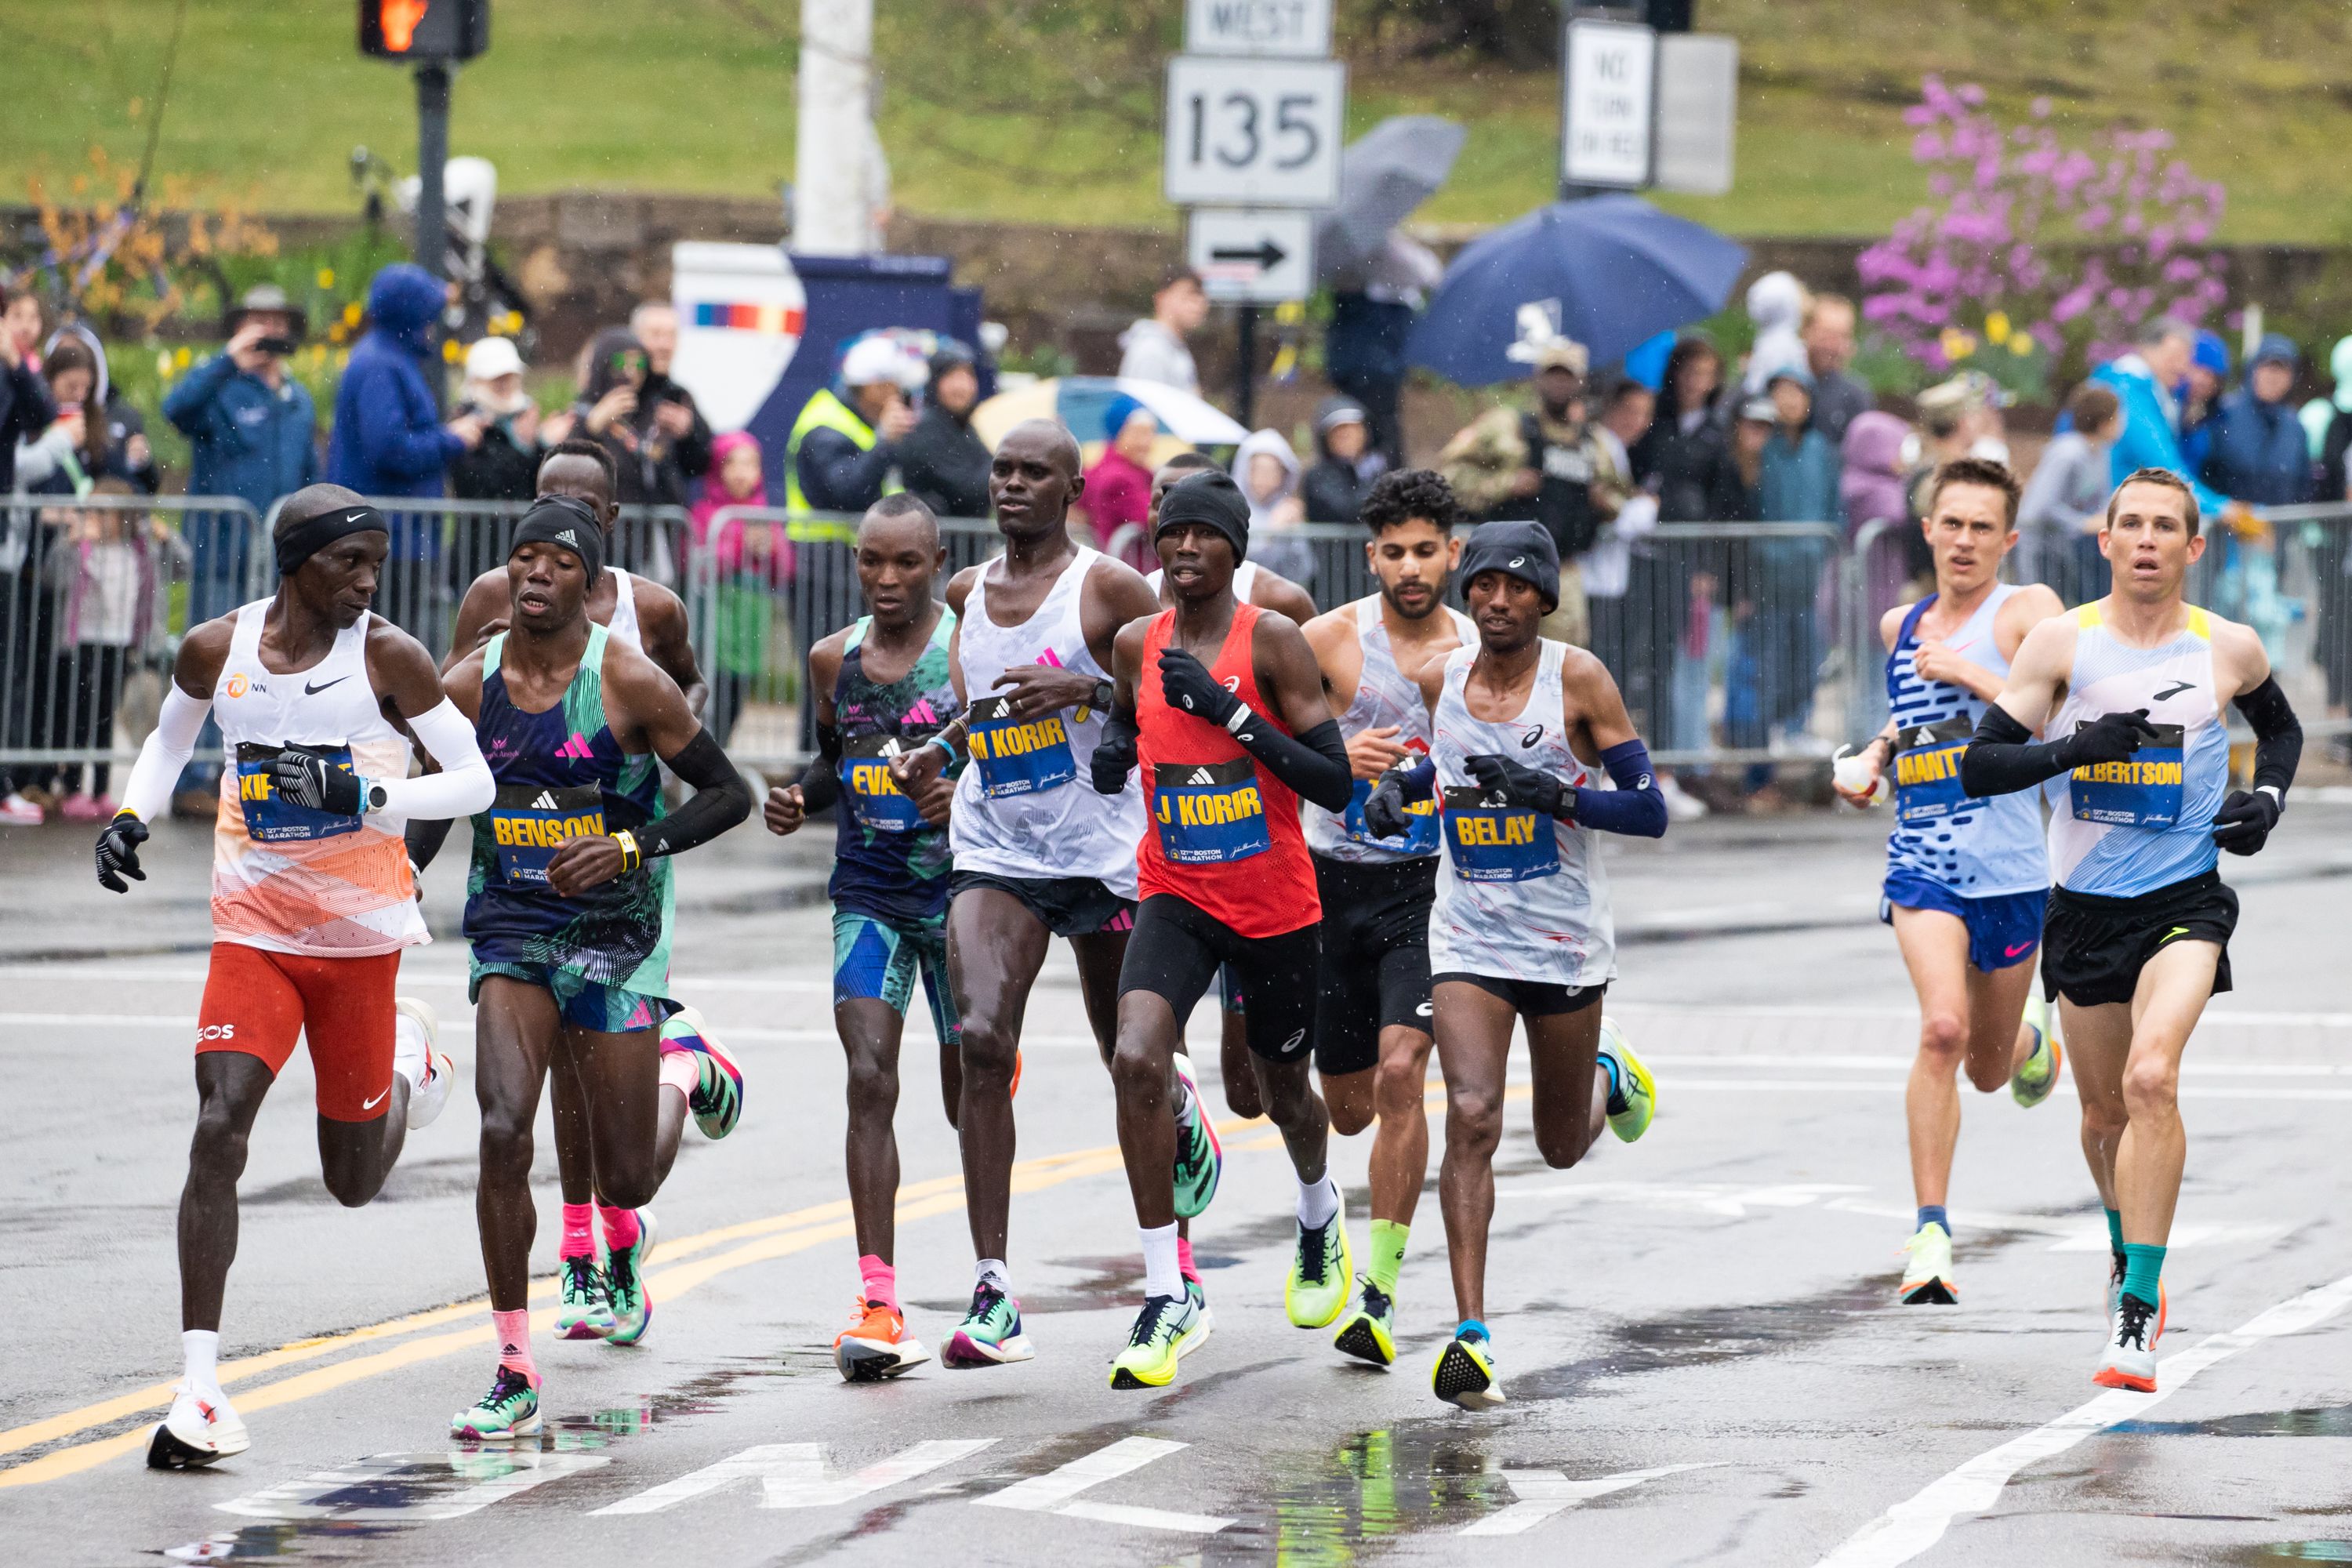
1408	493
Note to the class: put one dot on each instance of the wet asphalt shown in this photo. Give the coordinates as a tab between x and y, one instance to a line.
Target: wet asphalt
1698	1334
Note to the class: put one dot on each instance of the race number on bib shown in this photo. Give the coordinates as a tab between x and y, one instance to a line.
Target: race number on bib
529	823
1208	812
2141	791
874	796
1019	757
1928	772
1496	842
269	818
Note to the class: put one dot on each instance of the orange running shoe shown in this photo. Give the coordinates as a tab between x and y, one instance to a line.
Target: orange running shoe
876	1344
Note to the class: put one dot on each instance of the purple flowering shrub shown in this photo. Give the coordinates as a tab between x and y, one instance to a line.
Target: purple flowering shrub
2030	249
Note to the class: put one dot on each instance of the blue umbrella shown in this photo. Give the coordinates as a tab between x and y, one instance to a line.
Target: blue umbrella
1608	271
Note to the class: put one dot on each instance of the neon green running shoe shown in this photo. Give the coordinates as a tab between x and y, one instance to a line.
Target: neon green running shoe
586	1313
625	1279
2037	1075
1321	1271
1369	1333
1465	1374
508	1410
1636	1100
1199	1157
1169	1328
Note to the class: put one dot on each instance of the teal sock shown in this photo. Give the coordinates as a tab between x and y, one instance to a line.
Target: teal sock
2115	1230
1616	1082
2141	1266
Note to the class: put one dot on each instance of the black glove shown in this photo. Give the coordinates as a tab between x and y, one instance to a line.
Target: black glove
2244	822
1384	816
1521	785
305	779
2110	738
1114	756
1185	683
118	852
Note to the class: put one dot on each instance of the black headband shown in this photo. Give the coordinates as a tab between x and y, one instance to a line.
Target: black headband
306	539
566	520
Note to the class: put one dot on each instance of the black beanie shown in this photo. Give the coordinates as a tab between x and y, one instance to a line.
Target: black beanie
1212	499
1521	550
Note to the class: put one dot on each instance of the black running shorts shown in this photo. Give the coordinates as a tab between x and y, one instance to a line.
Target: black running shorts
1066	906
1375	970
2093	949
1175	951
1529	998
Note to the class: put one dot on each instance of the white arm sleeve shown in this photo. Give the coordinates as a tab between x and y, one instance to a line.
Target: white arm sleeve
167	751
461	788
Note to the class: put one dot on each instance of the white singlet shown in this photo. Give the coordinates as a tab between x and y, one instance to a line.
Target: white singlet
287	879
1026	805
1385	696
623	624
1519	897
1245	579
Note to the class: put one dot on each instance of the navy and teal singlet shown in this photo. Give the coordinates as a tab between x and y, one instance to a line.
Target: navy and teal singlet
888	862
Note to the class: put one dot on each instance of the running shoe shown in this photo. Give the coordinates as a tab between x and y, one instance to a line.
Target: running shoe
1169	1328
16	811
1369	1333
2129	1361
1636	1100
876	1344
416	1030
200	1428
1465	1374
624	1279
508	1410
2115	1291
1198	1294
718	1099
1199	1157
2037	1075
990	1334
586	1308
1927	1278
1321	1271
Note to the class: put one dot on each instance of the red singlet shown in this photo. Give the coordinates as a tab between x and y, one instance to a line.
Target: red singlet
1220	832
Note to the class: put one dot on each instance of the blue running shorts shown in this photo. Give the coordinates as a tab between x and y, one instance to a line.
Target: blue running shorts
2003	930
877	959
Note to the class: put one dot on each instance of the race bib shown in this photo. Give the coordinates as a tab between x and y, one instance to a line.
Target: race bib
270	819
2141	791
1016	756
1419	835
1497	843
1928	772
1209	813
529	823
874	796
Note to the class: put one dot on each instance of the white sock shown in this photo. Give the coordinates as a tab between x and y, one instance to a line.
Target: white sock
1319	1202
1161	1275
992	1271
202	1348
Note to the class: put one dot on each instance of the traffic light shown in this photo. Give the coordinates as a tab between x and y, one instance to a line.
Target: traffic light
424	29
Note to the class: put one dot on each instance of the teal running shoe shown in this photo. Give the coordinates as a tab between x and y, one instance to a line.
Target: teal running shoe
625	1282
1199	1157
508	1410
586	1309
990	1334
716	1101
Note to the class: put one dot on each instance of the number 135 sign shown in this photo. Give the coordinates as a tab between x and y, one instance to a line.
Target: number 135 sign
1262	131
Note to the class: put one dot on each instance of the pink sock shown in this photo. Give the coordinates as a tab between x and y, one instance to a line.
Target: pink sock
881	1280
1184	1258
579	1241
513	1329
681	1069
620	1227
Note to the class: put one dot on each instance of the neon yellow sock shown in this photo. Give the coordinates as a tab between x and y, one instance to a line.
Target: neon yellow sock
1387	1254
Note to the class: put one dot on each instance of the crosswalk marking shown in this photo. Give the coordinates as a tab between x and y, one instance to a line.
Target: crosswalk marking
1053	1491
799	1474
1543	1493
419	1487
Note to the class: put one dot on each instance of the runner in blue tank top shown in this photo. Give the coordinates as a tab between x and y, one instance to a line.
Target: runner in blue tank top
2131	690
1966	878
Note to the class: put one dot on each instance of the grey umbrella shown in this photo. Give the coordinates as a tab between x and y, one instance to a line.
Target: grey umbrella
1384	174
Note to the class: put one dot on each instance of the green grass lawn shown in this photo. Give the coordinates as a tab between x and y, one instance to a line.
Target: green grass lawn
696	95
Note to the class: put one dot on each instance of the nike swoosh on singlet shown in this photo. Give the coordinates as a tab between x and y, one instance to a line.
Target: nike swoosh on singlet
310	690
2174	691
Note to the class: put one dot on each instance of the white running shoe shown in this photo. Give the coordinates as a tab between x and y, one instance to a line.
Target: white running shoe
1927	1276
201	1429
2129	1359
429	1072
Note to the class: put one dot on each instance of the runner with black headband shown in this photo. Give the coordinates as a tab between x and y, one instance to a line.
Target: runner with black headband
1520	728
1222	705
312	896
568	907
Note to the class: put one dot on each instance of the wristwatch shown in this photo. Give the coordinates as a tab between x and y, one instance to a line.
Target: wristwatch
373	796
1104	692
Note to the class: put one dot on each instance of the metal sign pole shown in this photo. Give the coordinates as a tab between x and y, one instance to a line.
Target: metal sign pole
1246	391
431	215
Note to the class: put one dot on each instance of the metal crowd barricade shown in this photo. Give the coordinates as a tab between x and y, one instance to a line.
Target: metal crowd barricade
88	634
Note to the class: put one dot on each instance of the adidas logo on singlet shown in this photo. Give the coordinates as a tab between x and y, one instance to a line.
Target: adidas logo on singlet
546	802
1199	776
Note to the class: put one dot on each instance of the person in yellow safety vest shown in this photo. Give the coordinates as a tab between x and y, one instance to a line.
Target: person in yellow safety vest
843	451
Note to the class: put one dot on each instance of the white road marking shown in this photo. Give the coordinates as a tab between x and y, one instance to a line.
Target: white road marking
1914	1525
451	1485
1707	1198
799	1474
1053	1491
1543	1493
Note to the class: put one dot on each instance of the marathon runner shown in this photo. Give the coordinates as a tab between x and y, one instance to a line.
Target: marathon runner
568	907
1521	930
312	896
2131	688
1037	854
1372	1012
1222	705
701	1077
1966	879
882	688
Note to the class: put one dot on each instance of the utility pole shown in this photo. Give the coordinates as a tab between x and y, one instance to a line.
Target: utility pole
836	101
432	159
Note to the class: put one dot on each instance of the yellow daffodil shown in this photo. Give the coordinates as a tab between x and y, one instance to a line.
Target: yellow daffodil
1996	328
1958	344
326	278
180	358
2023	343
351	313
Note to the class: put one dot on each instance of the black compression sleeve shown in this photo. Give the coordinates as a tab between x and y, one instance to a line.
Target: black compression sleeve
821	785
721	799
2278	735
425	837
2002	757
1315	765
